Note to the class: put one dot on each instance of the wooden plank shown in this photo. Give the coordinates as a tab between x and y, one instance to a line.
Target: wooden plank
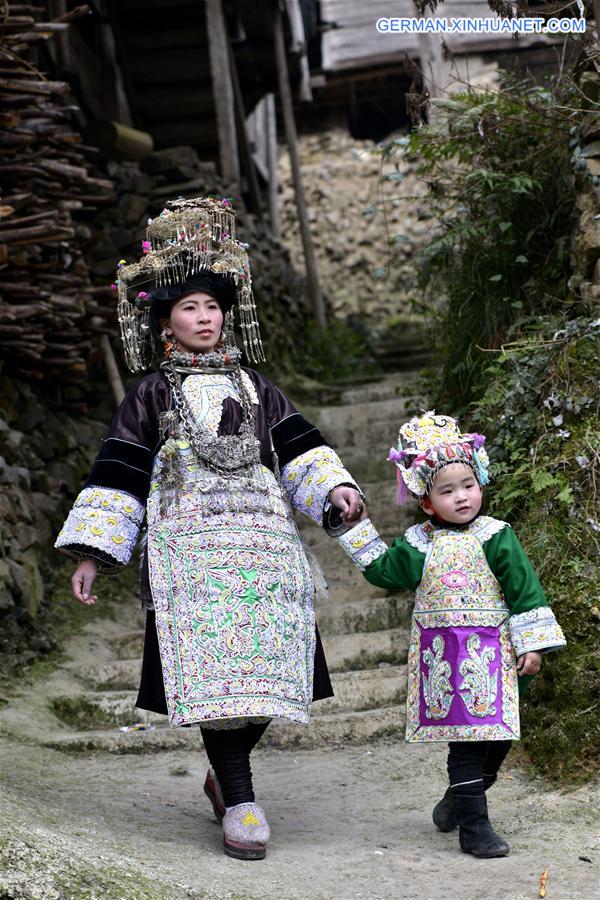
285	96
218	47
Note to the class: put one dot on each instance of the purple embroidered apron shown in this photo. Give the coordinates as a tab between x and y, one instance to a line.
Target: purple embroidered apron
462	676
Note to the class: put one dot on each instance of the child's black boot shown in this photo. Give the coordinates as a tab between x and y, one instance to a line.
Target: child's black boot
444	813
475	834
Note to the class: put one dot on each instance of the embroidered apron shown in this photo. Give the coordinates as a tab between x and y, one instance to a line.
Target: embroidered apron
462	677
232	589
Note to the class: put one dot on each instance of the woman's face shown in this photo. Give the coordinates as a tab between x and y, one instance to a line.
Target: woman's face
195	322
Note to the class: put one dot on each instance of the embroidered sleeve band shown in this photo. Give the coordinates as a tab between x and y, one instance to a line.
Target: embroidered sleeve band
122	466
310	477
294	436
536	629
104	525
363	544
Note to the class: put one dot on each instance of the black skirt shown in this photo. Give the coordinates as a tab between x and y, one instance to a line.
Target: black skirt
152	691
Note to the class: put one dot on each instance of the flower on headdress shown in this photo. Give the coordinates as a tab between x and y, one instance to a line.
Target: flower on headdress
121	262
396	455
113	287
142	295
146	246
224	235
226	201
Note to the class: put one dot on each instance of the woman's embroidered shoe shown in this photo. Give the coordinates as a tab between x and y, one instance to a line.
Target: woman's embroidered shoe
212	789
444	813
245	832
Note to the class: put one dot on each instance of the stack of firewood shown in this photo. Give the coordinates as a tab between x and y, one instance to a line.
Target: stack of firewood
49	310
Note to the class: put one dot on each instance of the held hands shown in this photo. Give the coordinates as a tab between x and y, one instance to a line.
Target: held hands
349	503
82	581
529	663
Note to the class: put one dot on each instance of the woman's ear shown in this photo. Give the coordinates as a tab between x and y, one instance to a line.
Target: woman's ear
164	324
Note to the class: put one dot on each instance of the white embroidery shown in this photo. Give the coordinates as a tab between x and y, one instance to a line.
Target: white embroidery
363	544
418	538
103	519
485	527
206	392
536	629
308	479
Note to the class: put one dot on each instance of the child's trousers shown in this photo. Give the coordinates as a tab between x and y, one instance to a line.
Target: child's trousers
473	766
228	751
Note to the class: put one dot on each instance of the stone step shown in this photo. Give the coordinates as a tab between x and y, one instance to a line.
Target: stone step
324	730
387	389
347	652
342	614
365	426
354	692
119	675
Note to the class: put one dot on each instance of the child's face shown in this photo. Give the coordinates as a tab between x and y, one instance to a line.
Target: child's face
455	495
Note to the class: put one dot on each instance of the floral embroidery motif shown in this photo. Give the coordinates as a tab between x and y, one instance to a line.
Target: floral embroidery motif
479	688
310	477
233	595
536	629
455	579
437	689
206	393
458	591
363	544
105	520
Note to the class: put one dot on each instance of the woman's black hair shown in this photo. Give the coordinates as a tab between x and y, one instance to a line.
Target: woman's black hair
221	287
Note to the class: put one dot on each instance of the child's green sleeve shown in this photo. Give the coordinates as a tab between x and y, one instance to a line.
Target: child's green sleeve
398	567
532	623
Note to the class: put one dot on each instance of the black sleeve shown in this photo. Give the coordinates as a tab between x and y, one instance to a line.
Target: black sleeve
124	462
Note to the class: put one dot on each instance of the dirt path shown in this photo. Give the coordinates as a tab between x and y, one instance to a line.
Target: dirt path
347	823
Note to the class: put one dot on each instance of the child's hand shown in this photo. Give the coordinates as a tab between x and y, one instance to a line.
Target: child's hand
529	663
82	581
349	503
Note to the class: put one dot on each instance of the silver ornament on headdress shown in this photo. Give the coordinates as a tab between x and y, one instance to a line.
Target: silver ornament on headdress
187	237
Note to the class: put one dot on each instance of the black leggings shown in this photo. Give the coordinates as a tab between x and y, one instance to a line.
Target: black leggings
228	751
473	766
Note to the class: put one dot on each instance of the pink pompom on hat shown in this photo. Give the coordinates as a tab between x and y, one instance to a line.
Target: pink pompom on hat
428	443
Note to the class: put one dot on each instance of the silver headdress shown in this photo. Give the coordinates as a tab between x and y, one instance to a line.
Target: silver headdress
187	237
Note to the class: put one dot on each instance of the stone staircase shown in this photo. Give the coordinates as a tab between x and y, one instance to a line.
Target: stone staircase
364	629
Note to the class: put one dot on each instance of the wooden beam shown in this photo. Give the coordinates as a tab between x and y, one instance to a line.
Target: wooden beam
285	96
218	49
273	183
246	152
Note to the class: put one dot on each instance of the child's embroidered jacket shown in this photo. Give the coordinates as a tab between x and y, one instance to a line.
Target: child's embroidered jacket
478	606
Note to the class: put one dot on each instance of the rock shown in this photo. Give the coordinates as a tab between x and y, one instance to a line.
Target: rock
29	588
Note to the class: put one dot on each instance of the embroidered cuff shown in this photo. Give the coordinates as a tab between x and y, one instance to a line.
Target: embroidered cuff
310	477
103	525
363	544
536	629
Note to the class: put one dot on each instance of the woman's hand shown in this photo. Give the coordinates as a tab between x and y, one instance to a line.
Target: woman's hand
529	663
349	503
82	581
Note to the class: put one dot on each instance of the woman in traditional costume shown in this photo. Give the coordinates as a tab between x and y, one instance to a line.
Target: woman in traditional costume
480	622
214	456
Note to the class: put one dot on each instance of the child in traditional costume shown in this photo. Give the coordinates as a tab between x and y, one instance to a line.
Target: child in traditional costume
214	456
480	621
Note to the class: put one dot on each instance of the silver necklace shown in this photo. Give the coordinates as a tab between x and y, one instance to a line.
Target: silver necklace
223	454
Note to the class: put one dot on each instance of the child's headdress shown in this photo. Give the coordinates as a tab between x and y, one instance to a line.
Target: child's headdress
427	444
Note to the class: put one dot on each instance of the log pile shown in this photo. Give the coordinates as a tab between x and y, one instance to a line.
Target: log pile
49	310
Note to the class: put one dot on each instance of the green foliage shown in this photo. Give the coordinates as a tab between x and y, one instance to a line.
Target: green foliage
541	410
339	351
501	187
